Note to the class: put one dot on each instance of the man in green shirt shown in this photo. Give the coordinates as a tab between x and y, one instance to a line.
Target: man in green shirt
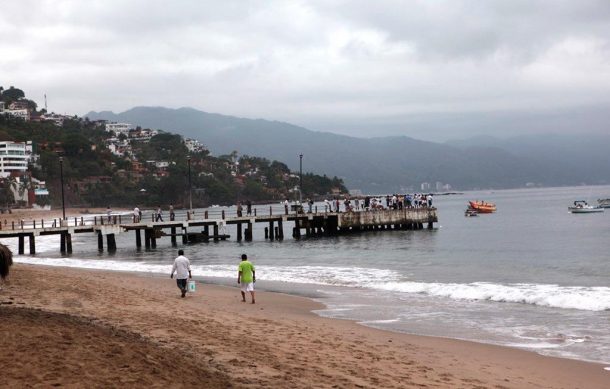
246	277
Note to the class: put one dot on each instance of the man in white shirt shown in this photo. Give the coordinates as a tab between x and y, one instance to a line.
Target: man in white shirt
182	268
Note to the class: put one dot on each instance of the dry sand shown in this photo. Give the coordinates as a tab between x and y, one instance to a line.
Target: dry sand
106	329
29	214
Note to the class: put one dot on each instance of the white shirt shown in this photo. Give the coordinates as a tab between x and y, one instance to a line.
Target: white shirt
182	266
136	211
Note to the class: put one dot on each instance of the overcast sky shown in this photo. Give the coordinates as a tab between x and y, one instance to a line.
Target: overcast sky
428	69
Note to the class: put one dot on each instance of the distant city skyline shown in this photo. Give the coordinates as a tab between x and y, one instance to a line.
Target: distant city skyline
430	70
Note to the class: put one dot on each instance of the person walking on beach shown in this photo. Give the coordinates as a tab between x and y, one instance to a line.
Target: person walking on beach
182	268
246	277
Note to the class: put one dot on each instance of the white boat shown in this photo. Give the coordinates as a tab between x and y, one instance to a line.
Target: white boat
581	206
604	203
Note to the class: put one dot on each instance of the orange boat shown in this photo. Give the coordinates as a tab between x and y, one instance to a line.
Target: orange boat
482	206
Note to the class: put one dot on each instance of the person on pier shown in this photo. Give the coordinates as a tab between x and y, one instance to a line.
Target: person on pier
159	216
136	214
172	214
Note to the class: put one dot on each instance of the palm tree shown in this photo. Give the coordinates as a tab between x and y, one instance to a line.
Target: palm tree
6	260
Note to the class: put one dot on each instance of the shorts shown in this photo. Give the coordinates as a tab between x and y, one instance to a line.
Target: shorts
247	287
181	282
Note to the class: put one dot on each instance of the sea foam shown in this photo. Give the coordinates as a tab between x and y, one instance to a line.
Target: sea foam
549	295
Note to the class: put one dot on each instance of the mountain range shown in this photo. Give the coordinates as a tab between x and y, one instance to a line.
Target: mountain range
390	164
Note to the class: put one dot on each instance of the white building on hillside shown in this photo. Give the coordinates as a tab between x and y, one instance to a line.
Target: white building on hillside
193	145
13	158
18	113
119	128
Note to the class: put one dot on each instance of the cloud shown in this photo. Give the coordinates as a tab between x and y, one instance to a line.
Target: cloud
328	64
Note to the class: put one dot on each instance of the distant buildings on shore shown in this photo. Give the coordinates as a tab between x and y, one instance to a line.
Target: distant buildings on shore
437	187
15	157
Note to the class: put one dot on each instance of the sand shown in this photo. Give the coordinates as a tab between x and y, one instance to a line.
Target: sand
29	214
74	327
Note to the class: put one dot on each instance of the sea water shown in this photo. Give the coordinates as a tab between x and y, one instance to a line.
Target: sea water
531	276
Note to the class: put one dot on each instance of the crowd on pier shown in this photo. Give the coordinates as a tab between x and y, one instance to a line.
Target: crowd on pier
376	203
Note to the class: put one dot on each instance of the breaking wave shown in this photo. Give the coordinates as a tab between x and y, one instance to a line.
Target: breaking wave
548	295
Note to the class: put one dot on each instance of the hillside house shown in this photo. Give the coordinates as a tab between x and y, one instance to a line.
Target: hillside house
118	128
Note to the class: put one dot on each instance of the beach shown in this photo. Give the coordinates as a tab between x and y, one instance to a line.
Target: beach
37	214
71	326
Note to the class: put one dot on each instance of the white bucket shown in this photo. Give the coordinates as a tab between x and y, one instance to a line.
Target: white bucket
191	286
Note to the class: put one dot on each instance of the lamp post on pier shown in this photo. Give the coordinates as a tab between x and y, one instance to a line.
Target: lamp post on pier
61	176
301	179
190	186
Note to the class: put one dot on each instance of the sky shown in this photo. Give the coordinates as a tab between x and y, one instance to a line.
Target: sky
433	70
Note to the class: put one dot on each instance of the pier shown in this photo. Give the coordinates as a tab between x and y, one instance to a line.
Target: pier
213	225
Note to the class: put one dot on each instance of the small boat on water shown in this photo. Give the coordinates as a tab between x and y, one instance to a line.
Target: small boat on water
471	212
603	203
581	206
482	206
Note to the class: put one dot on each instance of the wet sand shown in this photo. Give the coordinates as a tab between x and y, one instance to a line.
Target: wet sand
72	327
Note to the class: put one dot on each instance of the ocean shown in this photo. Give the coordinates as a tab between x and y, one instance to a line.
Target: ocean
531	276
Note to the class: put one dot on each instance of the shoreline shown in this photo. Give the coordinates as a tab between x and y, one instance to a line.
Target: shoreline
305	291
287	335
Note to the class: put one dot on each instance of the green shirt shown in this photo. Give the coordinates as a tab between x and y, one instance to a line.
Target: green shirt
246	268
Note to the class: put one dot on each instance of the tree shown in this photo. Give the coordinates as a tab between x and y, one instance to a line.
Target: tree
6	194
12	94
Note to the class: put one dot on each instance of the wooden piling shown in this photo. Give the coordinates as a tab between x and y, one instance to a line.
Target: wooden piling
147	233
100	241
184	236
239	237
173	232
215	232
266	232
280	227
111	242
153	239
62	242
271	231
32	245
249	232
138	238
21	245
69	243
297	228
